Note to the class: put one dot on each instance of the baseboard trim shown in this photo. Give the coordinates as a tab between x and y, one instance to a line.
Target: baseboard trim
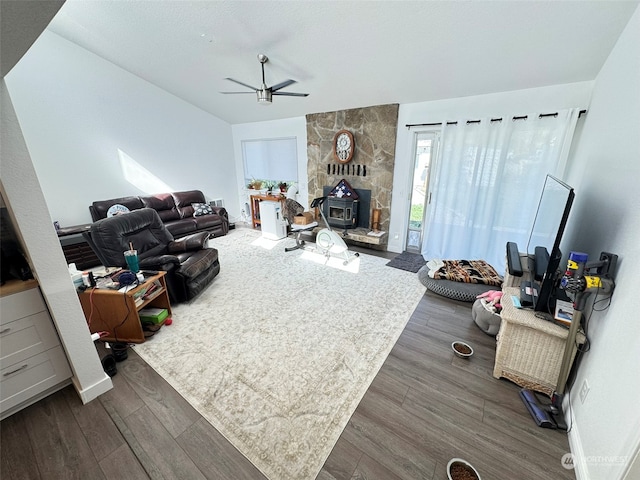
575	443
95	390
579	459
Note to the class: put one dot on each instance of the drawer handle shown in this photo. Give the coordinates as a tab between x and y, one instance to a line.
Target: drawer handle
15	371
5	330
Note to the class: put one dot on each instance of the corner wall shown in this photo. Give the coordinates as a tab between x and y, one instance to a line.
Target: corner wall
606	217
77	110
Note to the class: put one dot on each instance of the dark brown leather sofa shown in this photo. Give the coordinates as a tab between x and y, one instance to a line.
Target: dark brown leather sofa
190	265
175	210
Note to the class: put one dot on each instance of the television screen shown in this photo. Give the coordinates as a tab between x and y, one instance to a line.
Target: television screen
543	247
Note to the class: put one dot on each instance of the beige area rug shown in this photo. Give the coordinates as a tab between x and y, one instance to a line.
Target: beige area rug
279	350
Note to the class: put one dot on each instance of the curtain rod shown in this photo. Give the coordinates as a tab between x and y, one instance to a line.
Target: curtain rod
523	117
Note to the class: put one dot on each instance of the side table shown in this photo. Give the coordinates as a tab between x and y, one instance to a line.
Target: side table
117	313
255	206
529	349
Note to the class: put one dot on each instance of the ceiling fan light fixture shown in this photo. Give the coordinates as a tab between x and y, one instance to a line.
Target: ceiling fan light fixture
264	96
264	93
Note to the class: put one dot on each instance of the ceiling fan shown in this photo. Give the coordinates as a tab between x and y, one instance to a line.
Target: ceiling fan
265	93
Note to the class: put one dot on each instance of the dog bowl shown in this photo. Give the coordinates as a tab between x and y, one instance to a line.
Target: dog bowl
462	349
459	469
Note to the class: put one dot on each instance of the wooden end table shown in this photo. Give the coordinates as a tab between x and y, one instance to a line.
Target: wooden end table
117	312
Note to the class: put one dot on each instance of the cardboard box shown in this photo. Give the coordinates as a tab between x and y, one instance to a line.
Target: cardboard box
303	218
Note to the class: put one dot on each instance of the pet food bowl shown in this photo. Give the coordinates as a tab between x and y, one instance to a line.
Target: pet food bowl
459	469
462	349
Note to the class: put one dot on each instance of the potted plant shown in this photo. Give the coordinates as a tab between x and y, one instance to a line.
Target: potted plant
254	184
270	185
282	185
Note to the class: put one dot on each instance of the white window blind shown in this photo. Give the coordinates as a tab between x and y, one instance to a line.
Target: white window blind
270	159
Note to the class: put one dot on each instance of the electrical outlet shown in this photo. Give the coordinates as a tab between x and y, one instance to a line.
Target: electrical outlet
610	266
584	390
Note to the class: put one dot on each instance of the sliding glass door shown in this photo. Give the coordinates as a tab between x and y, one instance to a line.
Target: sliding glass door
425	145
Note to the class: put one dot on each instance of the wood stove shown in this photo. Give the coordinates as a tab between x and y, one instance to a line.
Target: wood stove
342	212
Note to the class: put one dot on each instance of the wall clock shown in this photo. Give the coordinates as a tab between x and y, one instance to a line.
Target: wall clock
344	146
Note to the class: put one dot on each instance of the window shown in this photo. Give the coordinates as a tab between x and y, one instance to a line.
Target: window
274	160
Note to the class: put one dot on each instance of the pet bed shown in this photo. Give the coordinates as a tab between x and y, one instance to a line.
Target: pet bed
458	289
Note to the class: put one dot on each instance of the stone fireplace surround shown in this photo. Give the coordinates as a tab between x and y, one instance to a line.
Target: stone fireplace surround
374	129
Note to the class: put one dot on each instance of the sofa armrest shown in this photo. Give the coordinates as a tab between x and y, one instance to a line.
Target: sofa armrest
165	263
220	211
196	241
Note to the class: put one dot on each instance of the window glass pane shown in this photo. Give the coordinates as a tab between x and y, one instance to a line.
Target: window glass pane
273	159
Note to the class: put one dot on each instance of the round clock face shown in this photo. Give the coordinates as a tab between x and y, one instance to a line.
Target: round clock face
343	146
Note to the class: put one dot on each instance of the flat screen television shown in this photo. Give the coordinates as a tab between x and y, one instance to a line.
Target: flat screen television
543	248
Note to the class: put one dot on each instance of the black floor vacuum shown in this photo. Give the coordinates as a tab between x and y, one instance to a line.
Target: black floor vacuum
579	282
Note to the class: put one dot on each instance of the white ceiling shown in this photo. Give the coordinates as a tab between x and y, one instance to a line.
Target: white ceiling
345	54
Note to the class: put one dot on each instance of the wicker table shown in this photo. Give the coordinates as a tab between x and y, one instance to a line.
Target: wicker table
529	349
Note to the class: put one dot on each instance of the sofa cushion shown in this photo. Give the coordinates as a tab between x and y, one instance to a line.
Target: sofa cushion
182	227
208	222
117	209
200	209
164	204
99	209
193	264
184	200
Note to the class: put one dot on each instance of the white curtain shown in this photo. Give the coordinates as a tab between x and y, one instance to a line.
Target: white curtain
487	184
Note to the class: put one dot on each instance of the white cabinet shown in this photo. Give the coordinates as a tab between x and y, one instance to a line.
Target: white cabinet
32	362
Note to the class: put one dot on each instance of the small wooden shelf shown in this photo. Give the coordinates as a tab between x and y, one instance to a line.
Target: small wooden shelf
117	313
255	206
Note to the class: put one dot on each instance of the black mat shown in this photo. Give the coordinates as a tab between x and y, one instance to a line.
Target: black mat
411	262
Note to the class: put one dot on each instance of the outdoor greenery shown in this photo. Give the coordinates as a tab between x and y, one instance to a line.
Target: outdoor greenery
417	214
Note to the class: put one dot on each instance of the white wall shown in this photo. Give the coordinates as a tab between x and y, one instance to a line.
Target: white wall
25	200
606	217
77	110
545	99
289	127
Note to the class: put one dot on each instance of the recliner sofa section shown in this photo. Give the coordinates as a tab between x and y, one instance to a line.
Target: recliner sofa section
175	210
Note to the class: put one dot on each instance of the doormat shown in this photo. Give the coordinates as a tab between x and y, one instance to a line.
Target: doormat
411	262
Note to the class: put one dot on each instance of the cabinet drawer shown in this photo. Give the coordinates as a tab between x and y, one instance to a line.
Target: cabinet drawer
23	380
21	304
26	337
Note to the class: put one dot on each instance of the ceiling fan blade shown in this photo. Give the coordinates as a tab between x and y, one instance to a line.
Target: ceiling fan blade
233	93
290	94
240	83
286	83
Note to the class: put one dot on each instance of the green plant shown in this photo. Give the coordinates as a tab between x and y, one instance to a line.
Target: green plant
417	213
255	184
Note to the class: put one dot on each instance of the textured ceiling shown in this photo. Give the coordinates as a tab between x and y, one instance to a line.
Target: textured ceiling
345	54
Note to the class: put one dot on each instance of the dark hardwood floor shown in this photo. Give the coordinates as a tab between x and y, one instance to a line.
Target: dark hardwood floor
424	407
